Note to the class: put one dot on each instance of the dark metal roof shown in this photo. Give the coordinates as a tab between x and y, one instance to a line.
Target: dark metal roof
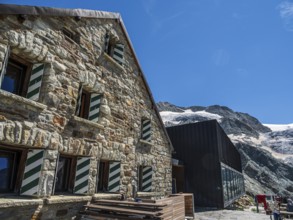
9	9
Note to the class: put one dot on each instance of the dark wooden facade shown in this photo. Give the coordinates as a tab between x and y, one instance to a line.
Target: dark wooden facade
204	149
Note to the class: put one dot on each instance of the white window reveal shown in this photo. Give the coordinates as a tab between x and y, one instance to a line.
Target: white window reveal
95	104
32	173
146	130
81	183
35	82
114	177
145	178
118	53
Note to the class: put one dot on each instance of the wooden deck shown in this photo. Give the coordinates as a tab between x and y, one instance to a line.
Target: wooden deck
171	208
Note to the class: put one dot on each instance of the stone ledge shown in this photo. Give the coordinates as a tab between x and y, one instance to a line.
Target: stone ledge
66	199
8	95
150	194
114	62
146	142
15	201
87	122
98	196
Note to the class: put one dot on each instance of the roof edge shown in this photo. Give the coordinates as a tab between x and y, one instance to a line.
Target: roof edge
10	9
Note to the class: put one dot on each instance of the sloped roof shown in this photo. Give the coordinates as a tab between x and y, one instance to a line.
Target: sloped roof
9	9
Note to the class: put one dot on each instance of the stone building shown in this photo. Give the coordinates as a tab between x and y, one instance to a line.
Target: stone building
77	119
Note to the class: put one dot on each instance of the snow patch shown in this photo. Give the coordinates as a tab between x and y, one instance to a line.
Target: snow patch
262	143
279	127
172	116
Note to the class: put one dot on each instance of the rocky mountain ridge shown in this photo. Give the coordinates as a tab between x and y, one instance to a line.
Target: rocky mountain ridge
267	154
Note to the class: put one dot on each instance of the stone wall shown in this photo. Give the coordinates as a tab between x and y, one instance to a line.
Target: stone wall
51	124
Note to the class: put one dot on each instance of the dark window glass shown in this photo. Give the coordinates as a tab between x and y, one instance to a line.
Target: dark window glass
14	77
8	170
103	176
84	104
70	36
140	174
62	177
67	33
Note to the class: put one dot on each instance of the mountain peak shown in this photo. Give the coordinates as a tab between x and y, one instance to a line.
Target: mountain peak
230	120
166	106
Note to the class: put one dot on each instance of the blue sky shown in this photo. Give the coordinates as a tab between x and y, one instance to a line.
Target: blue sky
205	52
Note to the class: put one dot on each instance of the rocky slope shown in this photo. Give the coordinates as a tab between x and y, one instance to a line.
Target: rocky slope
266	151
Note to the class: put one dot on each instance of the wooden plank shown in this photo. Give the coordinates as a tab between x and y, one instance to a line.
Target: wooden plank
93	215
189	205
105	201
123	210
175	207
286	213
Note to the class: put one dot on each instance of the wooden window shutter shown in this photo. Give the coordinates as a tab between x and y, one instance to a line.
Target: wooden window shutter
114	176
35	82
4	65
95	103
78	103
147	176
32	173
118	53
146	130
81	183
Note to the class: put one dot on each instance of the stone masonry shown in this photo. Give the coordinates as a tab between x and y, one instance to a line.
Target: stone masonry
51	124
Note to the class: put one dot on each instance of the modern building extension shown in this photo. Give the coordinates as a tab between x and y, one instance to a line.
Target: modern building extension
77	118
207	164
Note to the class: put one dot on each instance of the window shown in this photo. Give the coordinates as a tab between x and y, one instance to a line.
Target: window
88	105
145	178
232	183
9	162
83	105
109	176
14	77
63	177
115	50
146	130
70	36
20	77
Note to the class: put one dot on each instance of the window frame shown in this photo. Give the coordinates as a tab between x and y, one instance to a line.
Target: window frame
24	78
70	36
105	176
71	170
88	105
84	108
109	48
18	168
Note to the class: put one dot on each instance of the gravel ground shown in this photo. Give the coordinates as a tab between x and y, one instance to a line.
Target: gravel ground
230	215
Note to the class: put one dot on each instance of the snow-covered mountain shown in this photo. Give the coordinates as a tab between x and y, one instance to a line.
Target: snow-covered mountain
266	150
